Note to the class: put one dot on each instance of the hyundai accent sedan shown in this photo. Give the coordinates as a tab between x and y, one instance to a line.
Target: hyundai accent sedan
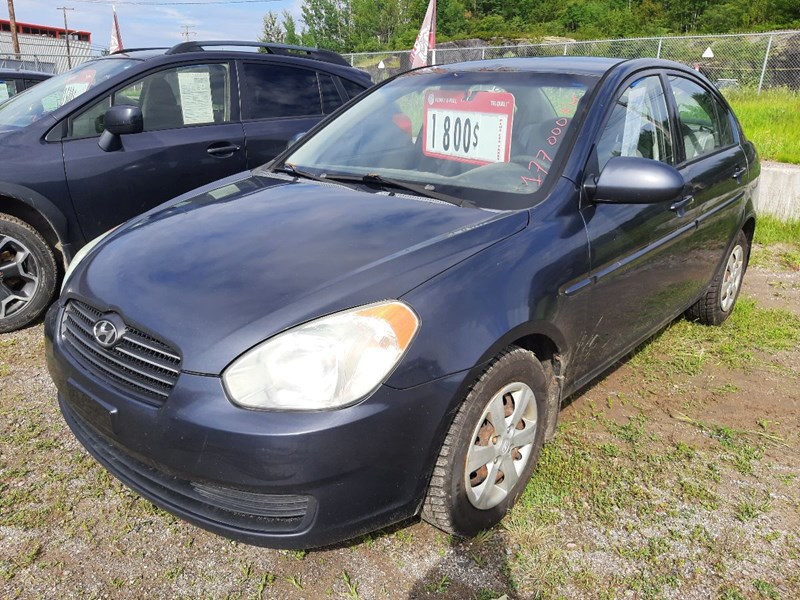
385	319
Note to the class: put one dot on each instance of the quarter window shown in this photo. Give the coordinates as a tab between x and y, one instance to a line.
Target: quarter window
639	124
705	124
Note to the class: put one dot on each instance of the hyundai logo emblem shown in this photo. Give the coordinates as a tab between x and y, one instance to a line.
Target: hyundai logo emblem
105	332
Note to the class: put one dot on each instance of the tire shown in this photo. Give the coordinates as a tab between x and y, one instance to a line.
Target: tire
718	302
28	274
461	500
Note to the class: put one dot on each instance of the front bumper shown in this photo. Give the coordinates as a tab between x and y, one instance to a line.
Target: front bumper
278	479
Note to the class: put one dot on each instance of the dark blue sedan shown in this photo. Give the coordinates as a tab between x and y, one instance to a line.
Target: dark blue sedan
385	320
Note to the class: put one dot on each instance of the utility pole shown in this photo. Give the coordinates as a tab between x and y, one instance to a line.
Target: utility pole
186	33
64	9
13	21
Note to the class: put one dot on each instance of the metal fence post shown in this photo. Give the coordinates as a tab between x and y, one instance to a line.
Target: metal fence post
483	53
764	67
660	41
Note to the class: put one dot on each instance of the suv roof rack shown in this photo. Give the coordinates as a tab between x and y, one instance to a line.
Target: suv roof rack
127	50
281	49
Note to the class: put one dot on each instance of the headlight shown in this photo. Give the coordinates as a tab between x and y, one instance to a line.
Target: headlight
328	363
81	254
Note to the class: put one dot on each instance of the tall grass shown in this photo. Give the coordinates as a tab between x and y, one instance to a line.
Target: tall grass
771	230
771	120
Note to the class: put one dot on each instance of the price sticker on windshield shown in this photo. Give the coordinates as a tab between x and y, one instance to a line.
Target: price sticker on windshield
474	129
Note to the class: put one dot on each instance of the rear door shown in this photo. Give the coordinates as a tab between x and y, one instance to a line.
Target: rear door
714	165
192	136
280	101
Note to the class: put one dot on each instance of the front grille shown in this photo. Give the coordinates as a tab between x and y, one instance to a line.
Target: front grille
213	505
138	362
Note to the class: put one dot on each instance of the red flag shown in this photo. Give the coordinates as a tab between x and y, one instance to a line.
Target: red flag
116	36
426	40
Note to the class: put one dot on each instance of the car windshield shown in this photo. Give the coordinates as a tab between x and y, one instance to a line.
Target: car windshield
43	98
487	138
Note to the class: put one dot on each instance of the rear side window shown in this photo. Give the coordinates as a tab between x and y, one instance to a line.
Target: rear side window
275	91
704	121
353	89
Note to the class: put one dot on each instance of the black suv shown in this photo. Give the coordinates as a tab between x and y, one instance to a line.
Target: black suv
14	81
71	168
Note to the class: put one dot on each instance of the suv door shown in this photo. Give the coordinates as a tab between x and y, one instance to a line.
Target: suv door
192	136
280	101
713	163
638	251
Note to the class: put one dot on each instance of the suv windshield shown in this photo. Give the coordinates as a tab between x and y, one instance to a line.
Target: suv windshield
42	99
487	138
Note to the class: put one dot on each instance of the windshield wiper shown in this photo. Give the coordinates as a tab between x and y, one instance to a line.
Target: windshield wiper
428	191
300	173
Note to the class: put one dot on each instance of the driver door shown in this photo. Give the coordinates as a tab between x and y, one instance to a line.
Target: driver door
638	251
192	136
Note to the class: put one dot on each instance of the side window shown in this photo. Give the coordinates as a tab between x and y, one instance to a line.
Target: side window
331	100
177	97
639	124
9	87
352	89
90	122
705	124
275	91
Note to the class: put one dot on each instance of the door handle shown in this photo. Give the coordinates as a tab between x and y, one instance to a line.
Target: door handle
680	206
738	172
223	150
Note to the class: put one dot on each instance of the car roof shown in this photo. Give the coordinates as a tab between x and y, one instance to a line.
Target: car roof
25	73
582	65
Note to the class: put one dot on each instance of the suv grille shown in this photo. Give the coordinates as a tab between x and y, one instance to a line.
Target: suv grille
137	362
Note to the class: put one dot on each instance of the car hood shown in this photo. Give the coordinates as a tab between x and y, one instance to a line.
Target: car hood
218	273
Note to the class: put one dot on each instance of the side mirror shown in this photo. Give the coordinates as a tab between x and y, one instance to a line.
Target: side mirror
295	138
631	180
120	120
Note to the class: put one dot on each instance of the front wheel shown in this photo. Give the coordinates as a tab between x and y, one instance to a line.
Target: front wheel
492	446
718	302
28	274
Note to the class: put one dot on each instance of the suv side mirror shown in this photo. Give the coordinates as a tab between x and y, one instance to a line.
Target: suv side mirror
632	180
120	120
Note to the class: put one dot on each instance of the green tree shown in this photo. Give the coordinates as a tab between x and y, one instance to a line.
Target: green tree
290	29
272	32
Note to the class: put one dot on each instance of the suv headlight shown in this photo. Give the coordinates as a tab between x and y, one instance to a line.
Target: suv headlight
327	363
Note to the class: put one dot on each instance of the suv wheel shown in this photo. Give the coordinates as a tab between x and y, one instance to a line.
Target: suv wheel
28	274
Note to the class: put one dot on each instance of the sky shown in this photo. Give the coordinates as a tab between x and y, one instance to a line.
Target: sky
147	26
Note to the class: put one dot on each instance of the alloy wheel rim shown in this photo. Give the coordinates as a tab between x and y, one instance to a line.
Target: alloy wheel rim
19	276
732	278
501	445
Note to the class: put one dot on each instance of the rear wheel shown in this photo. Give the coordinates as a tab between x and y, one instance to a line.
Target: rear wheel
492	446
28	274
719	300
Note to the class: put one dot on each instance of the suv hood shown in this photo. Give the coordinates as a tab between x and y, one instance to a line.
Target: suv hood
222	271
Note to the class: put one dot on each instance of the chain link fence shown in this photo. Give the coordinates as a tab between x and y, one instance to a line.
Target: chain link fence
757	61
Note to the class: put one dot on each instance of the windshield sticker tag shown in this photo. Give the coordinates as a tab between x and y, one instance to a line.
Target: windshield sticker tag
195	89
475	131
77	85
